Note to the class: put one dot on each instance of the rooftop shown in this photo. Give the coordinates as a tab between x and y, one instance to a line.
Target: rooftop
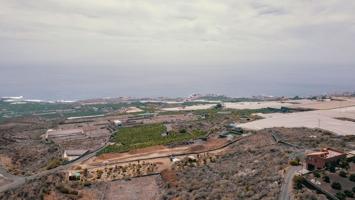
327	153
78	152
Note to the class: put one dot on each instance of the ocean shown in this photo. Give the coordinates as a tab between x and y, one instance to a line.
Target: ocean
54	82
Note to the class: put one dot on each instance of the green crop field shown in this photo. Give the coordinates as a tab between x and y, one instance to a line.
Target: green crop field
144	136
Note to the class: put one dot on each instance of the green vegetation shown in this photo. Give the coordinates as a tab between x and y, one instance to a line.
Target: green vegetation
352	177
144	136
336	186
295	162
53	163
326	179
316	174
297	182
55	110
342	174
349	193
340	196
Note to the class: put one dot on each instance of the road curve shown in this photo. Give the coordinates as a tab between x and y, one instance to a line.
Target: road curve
17	181
286	188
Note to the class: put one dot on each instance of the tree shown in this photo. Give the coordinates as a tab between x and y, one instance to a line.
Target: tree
340	196
297	182
343	163
336	186
316	174
352	177
331	168
326	179
349	193
342	173
218	106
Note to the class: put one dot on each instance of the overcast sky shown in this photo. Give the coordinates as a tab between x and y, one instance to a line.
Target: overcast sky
160	37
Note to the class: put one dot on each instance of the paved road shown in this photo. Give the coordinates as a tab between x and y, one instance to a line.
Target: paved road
17	181
286	188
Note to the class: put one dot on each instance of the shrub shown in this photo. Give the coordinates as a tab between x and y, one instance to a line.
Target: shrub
331	168
342	174
340	196
53	163
316	174
336	186
343	163
182	130
297	182
349	193
295	162
326	179
352	177
62	189
353	189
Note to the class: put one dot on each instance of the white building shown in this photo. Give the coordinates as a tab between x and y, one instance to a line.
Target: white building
73	154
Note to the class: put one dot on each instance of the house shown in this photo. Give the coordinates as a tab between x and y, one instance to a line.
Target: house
73	154
318	160
117	123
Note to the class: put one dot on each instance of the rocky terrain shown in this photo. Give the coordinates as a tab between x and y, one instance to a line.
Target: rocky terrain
22	151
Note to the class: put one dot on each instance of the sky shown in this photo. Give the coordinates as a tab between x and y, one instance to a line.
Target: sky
81	49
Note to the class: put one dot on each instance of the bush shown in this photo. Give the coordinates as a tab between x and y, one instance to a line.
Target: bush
331	168
340	196
53	163
343	163
336	186
182	131
297	182
316	174
342	174
349	193
353	189
62	189
326	179
352	177
295	162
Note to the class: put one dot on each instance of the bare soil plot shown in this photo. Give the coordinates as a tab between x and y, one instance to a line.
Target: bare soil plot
133	189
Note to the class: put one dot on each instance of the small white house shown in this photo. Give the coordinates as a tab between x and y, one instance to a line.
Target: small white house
117	123
73	154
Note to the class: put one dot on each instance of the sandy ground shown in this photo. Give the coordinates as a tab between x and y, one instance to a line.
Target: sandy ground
187	108
324	119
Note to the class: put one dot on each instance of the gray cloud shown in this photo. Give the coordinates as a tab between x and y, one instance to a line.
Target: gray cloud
159	34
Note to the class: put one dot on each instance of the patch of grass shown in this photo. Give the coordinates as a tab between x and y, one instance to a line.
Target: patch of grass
144	136
53	163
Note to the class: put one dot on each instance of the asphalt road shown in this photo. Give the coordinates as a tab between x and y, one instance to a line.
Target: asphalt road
286	188
17	181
